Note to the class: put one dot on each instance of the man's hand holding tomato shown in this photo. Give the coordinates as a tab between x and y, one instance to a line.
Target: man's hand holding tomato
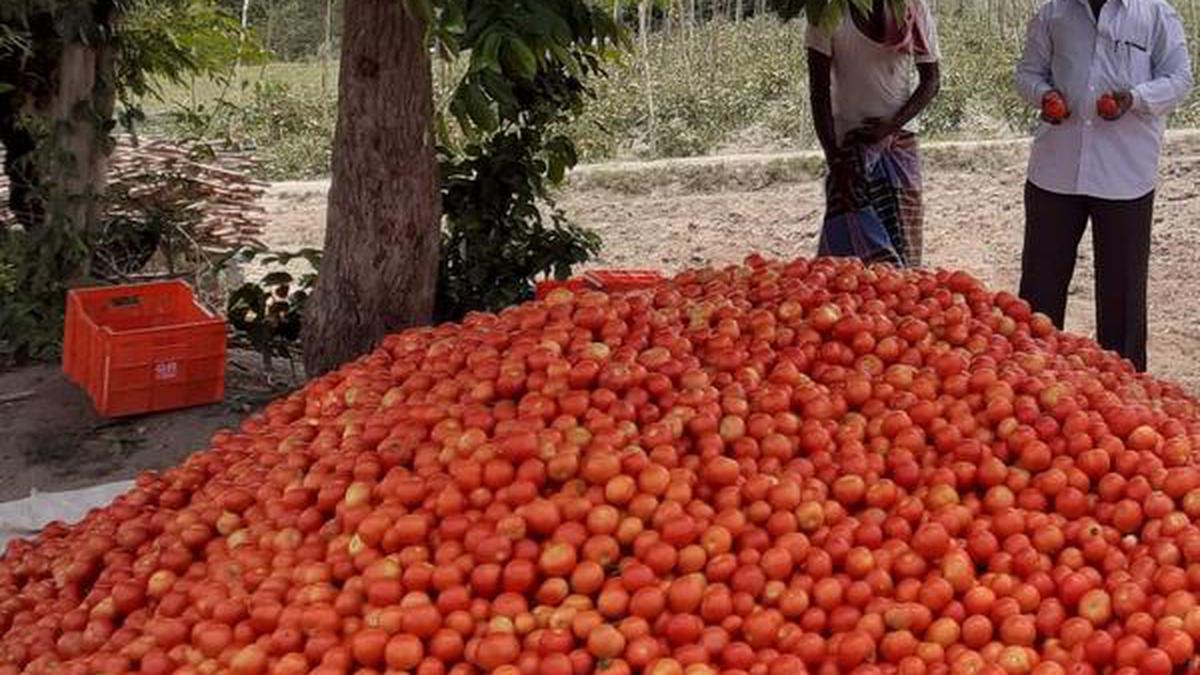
1113	105
1054	108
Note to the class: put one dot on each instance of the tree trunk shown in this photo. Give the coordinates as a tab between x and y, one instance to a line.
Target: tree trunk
379	271
737	12
83	102
269	33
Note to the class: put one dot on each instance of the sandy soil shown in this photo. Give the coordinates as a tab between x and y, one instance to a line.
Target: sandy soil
667	215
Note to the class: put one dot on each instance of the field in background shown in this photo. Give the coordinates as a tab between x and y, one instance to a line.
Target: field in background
719	87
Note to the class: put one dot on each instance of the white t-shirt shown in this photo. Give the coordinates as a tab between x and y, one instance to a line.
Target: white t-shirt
869	79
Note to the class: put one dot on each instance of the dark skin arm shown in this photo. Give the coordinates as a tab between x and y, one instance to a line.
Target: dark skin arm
821	99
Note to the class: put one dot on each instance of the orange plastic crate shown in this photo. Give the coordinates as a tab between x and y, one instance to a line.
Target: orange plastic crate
142	348
615	281
612	281
544	287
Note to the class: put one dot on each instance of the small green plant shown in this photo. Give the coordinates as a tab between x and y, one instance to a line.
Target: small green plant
35	272
504	229
521	74
265	315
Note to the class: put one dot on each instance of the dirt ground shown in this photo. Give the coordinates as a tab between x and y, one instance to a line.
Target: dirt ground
52	440
667	215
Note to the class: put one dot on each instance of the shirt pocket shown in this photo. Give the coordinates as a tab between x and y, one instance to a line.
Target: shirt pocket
1138	68
1131	44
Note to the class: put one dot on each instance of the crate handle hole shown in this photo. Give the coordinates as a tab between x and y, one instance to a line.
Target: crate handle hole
125	301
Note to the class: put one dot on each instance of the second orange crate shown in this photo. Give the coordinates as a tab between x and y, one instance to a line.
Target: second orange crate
142	348
612	281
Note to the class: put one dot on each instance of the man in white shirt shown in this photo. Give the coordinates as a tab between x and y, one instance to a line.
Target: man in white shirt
870	75
1100	161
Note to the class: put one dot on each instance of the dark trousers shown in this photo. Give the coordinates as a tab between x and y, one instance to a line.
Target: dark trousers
1054	224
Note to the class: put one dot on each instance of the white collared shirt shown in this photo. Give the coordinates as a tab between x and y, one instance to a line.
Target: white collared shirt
1135	45
868	79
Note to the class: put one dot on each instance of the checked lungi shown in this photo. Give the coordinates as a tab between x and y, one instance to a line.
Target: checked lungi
888	179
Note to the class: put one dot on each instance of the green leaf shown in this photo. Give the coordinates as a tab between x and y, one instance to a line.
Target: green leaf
557	169
421	10
500	89
479	107
277	279
566	59
487	56
518	60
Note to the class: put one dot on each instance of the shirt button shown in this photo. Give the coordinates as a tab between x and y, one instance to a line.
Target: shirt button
1087	123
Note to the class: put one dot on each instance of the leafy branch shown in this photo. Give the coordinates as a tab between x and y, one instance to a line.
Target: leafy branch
522	72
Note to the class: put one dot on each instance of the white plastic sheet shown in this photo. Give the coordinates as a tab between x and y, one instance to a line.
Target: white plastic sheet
25	517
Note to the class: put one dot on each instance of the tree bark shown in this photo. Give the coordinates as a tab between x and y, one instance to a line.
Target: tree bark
85	99
379	271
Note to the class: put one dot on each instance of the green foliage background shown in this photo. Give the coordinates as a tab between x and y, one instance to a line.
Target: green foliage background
719	87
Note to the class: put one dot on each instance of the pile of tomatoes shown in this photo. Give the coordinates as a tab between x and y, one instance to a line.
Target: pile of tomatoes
768	469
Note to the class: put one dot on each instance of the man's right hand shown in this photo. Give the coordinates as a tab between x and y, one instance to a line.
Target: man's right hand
1054	108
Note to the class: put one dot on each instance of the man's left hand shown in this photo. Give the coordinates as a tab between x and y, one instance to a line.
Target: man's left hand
1124	101
873	130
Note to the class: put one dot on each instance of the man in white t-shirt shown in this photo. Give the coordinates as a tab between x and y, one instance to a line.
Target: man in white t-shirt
870	75
1106	75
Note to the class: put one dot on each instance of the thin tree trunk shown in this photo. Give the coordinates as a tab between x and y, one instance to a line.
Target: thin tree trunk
326	45
237	65
269	33
737	12
647	82
379	271
643	24
616	11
